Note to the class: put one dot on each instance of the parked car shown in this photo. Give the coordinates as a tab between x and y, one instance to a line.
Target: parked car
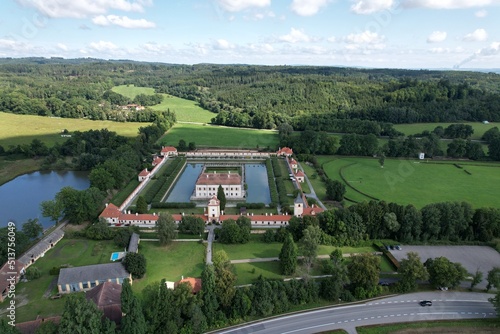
398	247
391	247
426	303
383	283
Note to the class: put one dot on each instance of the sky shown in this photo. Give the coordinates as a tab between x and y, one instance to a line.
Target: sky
363	33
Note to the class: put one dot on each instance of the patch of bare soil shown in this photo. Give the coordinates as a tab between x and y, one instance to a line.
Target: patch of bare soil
73	228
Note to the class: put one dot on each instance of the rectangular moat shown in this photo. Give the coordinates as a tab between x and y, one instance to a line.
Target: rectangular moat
254	175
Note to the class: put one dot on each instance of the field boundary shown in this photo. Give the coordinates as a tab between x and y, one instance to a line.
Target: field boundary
350	186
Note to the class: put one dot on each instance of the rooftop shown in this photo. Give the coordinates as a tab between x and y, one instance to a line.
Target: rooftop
96	272
133	244
219	179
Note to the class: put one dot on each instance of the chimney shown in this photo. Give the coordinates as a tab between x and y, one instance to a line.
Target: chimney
271	214
182	277
106	204
222	212
183	214
137	213
266	214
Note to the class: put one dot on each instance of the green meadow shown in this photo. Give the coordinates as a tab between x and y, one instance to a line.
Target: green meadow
185	110
22	129
220	136
417	182
411	129
170	262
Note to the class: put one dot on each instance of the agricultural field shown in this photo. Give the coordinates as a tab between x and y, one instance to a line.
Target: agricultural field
220	136
22	129
417	182
185	110
170	262
411	129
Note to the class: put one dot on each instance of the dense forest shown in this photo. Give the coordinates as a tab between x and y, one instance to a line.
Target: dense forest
306	97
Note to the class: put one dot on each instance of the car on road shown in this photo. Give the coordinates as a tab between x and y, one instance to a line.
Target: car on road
398	247
426	303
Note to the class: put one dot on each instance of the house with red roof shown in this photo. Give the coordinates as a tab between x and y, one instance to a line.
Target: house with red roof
208	184
299	175
107	297
195	284
9	277
143	175
285	151
157	160
168	151
293	163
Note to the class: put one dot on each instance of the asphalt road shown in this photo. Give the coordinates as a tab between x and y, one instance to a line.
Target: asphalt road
402	308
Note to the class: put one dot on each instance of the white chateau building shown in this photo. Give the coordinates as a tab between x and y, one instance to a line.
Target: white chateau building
208	184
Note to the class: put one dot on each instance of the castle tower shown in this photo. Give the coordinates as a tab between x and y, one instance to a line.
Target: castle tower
298	206
213	208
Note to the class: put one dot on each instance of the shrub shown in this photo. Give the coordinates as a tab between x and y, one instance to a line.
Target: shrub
33	273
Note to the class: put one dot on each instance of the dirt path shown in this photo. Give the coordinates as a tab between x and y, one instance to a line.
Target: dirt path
51	286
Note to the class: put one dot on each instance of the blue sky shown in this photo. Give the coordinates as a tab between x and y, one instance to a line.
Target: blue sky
370	33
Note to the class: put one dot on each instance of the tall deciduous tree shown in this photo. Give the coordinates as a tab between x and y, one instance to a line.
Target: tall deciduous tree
52	209
335	190
288	256
208	293
166	227
225	289
493	278
133	322
309	244
364	273
221	196
476	278
411	270
126	296
135	264
444	273
80	316
32	228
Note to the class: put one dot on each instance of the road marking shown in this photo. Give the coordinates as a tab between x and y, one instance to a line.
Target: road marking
365	319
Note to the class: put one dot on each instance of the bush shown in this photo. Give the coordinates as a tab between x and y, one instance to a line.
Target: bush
172	205
55	271
251	205
33	273
135	264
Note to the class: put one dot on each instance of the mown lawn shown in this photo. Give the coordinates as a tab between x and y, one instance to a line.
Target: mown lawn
469	326
72	252
220	136
22	129
185	110
411	129
419	182
170	262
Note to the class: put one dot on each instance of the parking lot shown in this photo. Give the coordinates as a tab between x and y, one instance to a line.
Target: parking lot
471	257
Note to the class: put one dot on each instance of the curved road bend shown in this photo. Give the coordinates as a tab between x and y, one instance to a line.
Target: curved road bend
401	308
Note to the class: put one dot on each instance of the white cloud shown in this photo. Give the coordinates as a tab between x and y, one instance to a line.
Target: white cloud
222	44
239	5
295	36
437	36
13	45
83	8
493	49
448	4
481	13
103	46
308	7
62	46
371	6
122	21
332	39
439	50
478	35
365	37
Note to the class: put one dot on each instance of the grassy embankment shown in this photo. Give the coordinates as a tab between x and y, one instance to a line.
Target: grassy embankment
417	182
468	326
411	129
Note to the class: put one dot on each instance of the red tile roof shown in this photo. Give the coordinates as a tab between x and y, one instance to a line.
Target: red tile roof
144	172
157	160
268	218
138	216
111	211
292	161
30	327
194	282
285	151
219	179
300	173
312	211
6	273
107	298
166	149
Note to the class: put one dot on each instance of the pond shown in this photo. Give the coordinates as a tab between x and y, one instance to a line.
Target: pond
255	178
22	196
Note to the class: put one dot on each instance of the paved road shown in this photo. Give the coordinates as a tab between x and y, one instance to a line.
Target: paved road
313	193
210	240
270	259
446	305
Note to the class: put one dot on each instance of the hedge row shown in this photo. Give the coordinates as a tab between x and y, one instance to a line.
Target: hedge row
251	205
272	184
280	185
168	182
157	184
172	205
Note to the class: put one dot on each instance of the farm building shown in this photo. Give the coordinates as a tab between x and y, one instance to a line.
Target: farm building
9	276
41	247
168	151
87	277
107	298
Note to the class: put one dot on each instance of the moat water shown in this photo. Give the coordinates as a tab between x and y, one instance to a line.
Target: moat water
22	196
255	178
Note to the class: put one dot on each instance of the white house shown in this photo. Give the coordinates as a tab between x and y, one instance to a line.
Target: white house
208	184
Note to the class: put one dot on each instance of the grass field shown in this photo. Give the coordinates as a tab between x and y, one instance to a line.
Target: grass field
185	110
74	252
9	169
170	262
417	183
22	129
411	129
468	326
219	136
